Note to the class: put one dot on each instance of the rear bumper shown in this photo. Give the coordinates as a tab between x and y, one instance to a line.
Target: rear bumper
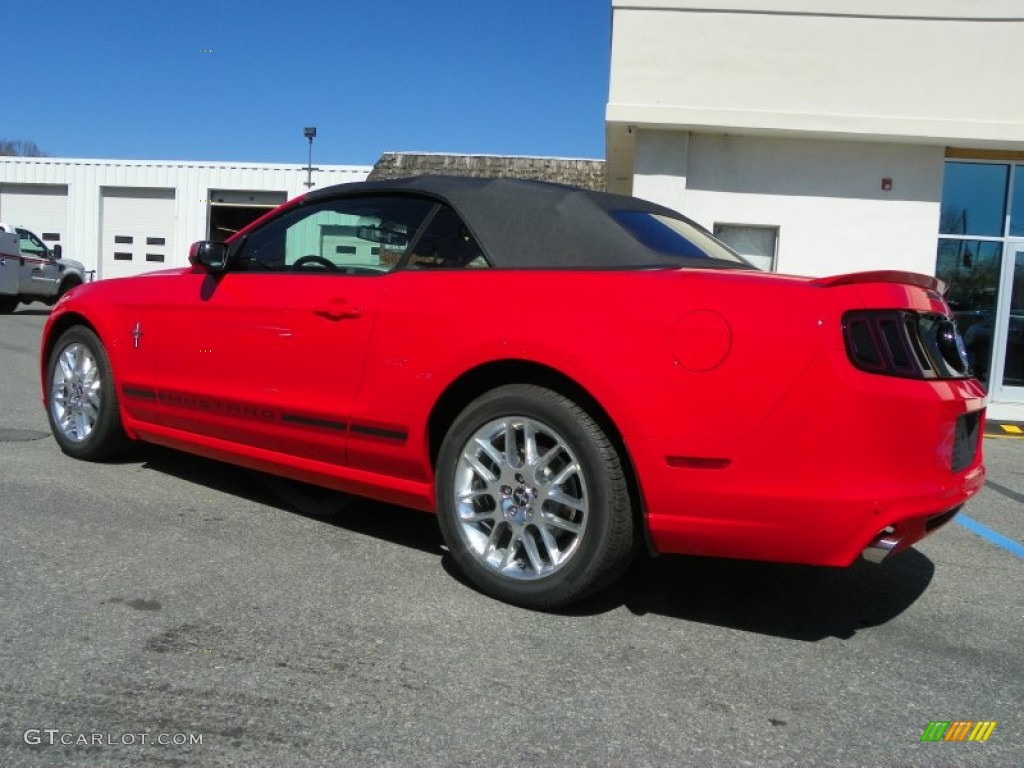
847	462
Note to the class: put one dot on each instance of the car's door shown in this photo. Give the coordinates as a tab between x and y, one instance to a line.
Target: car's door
270	354
39	273
10	264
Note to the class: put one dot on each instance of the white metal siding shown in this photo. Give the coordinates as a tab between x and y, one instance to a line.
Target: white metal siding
83	180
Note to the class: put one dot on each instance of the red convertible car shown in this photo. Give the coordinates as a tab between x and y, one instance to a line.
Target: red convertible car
564	377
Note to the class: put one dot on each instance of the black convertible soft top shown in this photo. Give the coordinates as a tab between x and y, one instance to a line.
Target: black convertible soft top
523	224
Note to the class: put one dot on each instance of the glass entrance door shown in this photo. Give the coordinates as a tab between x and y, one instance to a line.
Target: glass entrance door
981	258
1008	371
973	269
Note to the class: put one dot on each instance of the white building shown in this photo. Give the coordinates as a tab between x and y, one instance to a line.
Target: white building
821	137
123	217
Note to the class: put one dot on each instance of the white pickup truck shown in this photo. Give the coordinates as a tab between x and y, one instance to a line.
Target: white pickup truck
29	271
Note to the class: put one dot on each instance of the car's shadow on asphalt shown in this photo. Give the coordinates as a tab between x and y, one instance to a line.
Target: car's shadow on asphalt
790	601
400	525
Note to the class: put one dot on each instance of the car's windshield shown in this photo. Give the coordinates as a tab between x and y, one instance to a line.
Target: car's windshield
674	237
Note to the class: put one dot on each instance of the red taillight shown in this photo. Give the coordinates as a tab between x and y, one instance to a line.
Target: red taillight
915	345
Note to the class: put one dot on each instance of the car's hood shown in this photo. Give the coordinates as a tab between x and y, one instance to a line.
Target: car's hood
162	272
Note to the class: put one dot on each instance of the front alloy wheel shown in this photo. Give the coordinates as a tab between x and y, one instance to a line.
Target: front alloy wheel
532	499
76	393
81	401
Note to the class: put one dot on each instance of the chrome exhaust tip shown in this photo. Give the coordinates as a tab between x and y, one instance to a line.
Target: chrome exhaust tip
881	546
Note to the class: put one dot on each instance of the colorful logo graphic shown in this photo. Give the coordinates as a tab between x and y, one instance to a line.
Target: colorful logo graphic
958	730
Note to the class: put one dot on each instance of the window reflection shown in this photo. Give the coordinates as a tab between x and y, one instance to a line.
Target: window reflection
971	269
974	199
1013	367
1017	207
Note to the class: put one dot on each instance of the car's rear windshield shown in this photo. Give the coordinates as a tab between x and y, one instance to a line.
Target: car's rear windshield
674	237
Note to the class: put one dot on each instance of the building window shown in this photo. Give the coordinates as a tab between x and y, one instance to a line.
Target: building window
154	257
123	239
122	256
981	216
1017	204
974	199
155	241
51	236
757	244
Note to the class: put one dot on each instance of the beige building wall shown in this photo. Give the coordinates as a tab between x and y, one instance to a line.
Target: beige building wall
825	197
935	71
829	120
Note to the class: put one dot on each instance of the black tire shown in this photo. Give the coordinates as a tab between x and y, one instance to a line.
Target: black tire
570	498
8	304
82	404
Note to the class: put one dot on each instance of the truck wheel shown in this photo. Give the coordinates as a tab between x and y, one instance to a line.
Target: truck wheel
66	286
532	498
7	304
81	401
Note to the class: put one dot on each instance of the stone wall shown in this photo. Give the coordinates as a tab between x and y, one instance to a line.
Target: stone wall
588	174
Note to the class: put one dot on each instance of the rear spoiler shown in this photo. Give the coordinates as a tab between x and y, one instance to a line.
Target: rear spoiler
883	276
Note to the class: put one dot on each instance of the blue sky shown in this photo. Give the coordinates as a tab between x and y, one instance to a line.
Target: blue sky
134	80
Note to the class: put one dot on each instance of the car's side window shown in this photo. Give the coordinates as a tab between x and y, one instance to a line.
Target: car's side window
446	243
365	235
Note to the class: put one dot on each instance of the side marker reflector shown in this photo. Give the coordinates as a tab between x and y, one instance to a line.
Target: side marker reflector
697	462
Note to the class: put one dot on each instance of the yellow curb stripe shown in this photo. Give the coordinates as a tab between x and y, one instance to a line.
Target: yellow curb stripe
997	428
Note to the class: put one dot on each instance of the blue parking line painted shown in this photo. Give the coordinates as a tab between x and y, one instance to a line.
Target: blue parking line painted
987	533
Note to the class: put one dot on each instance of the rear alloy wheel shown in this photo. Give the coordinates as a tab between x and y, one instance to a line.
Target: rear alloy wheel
532	499
81	401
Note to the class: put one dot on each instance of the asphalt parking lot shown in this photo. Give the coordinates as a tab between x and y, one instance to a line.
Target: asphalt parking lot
248	621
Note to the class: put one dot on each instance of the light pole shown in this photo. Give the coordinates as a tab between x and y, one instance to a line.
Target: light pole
310	133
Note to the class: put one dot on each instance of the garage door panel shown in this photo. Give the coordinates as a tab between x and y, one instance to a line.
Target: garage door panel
41	208
137	232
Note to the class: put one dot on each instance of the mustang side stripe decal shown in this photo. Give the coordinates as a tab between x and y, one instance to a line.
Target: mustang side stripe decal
191	402
292	418
385	433
138	393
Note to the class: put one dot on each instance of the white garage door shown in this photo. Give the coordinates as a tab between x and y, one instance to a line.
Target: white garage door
137	231
42	208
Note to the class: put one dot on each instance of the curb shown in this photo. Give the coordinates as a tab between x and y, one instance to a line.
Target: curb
1013	430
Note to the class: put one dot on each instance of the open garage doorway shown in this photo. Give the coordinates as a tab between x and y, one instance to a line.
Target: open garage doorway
231	209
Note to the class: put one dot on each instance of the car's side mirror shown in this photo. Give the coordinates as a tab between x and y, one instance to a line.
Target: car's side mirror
57	251
210	255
